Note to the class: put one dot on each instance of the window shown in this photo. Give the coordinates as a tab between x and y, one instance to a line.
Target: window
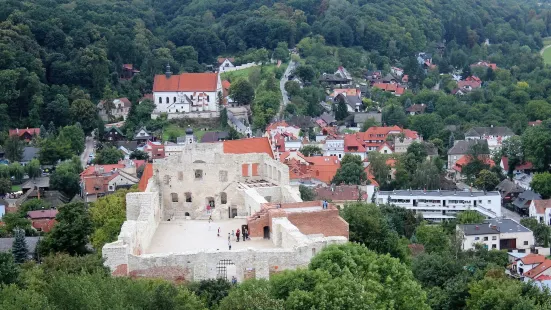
485	238
476	238
166	99
208	99
174	197
494	238
525	242
160	100
223	198
223	176
198	174
489	201
174	99
494	246
188	197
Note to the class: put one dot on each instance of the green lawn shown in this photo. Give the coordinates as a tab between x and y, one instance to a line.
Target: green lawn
547	56
15	188
175	130
234	75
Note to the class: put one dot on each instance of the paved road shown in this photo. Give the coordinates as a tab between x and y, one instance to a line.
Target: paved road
88	149
282	82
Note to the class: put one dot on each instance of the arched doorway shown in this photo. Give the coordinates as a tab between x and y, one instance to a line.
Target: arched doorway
266	232
225	269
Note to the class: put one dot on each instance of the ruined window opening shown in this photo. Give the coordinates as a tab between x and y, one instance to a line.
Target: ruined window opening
210	202
223	176
186	214
223	198
198	174
174	197
188	197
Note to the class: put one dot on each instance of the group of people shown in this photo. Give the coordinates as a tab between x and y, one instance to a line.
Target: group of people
237	234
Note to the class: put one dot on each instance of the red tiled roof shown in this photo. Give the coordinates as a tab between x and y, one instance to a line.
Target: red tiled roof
19	132
45	226
283	156
324	168
541	205
543	278
339	193
147	174
106	168
186	82
347	91
466	159
523	166
417	108
42	214
534	123
96	184
370	176
546	264
226	84
353	143
222	59
249	145
533	259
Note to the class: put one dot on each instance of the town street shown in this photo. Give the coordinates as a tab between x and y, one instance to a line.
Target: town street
282	82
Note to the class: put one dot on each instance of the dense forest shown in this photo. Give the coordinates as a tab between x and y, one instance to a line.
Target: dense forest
57	52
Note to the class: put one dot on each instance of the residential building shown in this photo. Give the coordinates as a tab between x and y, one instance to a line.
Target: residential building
25	134
310	171
155	150
509	191
42	220
541	210
225	63
113	134
353	103
333	79
334	146
128	71
395	89
342	72
341	195
7	243
186	94
523	201
416	109
375	137
442	205
465	86
464	147
214	136
29	153
118	109
525	167
101	180
326	119
485	64
142	135
538	270
495	136
239	124
361	118
498	234
41	183
464	161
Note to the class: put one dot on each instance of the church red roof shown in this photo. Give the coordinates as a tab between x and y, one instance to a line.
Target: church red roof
186	82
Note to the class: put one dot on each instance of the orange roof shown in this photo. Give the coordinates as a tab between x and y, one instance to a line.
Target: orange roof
347	91
541	205
391	162
106	168
394	88
226	84
466	159
249	145
370	176
324	168
533	259
546	264
353	143
20	132
147	174
186	82
283	156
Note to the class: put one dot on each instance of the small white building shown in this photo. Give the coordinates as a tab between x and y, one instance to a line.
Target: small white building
442	205
225	63
494	135
120	108
498	234
541	210
334	147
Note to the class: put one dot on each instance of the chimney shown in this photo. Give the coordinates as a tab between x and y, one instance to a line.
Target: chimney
168	73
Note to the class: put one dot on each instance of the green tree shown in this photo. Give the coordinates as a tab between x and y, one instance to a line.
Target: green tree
241	91
306	193
486	180
57	111
378	167
33	168
17	171
70	234
432	237
292	88
470	217
435	269
370	122
13	148
342	109
108	214
512	149
108	156
66	179
427	125
84	112
351	171
51	151
311	150
251	295
542	232
541	184
224	118
305	72
14	221
19	248
394	115
140	155
5	185
5	171
536	143
9	271
74	137
368	226
211	290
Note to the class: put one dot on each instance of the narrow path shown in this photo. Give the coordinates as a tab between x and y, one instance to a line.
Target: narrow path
544	48
282	82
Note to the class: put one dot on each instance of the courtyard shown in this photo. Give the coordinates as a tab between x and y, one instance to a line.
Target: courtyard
194	235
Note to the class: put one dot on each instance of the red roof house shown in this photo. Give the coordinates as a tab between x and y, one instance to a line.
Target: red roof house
25	134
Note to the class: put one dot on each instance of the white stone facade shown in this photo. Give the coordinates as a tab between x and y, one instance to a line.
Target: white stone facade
236	189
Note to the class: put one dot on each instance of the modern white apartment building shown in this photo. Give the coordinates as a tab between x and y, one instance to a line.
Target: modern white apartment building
441	205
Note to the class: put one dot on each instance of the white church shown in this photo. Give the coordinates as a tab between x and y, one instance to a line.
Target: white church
186	95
